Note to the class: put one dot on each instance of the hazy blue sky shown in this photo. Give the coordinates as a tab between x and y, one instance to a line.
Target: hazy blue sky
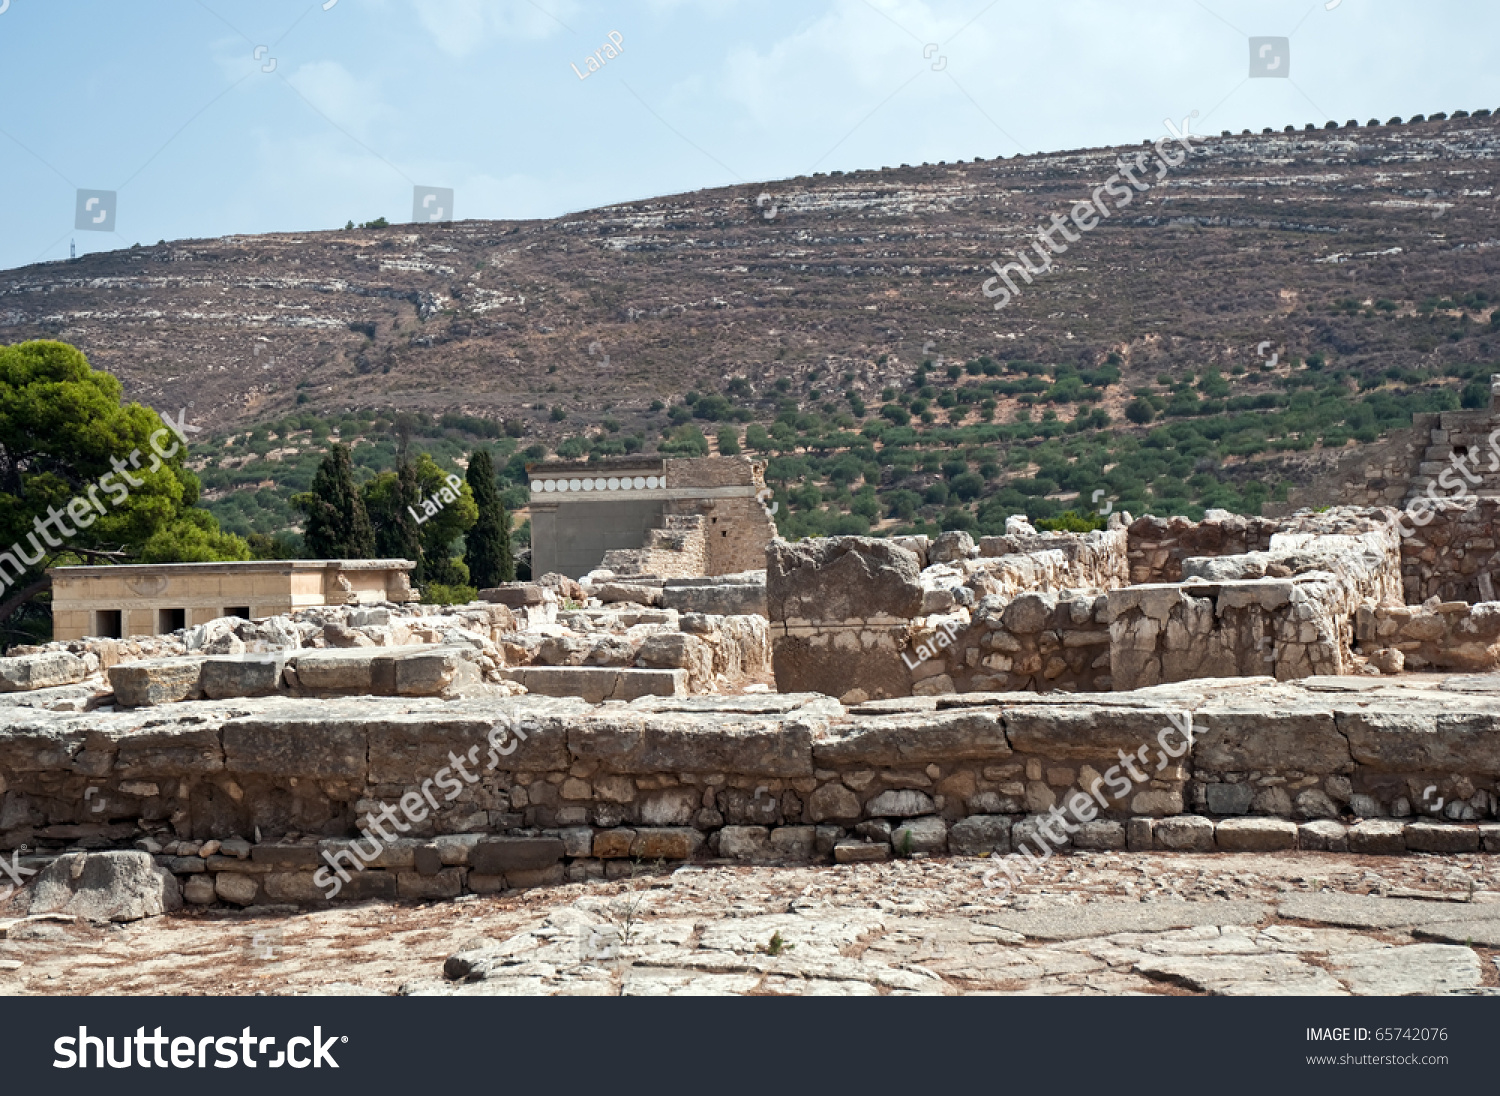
165	101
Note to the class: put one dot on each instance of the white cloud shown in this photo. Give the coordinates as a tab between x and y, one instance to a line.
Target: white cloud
461	27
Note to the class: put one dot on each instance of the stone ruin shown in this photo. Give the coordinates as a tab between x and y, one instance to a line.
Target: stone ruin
930	697
1141	603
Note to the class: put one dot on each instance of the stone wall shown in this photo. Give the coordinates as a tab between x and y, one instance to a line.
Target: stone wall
1450	636
1288	611
1157	546
242	800
861	618
1454	556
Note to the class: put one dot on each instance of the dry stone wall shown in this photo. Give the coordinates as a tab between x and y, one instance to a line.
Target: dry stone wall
247	802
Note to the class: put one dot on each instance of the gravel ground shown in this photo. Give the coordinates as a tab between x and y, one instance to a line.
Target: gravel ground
1089	923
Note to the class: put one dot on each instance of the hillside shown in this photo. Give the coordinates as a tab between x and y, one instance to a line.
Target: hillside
1363	256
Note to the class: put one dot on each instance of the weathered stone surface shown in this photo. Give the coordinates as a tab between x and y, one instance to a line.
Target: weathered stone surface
1228	798
517	595
1103	833
1092	732
433	672
596	684
920	835
236	888
243	675
1256	834
1424	969
717	599
834	803
105	886
336	672
1377	836
499	855
302	744
1307	740
1259	975
23	673
1438	837
628	742
1110	917
666	843
902	803
1423	742
1187	833
980	835
155	681
1323	835
745	842
860	852
841	578
905	739
1367	911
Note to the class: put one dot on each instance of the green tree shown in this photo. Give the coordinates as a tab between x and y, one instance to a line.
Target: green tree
337	525
455	514
729	442
487	545
391	498
86	479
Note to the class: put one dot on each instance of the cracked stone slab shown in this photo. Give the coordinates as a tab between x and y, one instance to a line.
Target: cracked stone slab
1109	918
1406	971
1485	934
1368	911
1273	975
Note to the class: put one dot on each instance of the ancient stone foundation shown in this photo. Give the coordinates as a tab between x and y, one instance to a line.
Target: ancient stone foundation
1144	603
246	802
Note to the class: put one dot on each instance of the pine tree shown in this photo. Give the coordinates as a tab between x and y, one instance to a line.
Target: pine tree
487	545
337	525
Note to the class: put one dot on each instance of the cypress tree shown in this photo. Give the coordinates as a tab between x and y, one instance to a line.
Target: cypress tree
337	525
487	544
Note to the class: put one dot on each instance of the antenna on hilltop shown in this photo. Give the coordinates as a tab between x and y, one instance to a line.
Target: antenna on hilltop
72	249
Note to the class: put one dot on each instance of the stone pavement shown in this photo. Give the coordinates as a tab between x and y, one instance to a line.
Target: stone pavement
1085	923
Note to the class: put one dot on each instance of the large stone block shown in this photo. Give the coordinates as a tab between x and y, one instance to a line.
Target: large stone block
718	600
841	578
1307	740
625	742
1092	732
300	743
243	675
596	684
156	681
23	673
907	739
979	835
433	672
498	855
1424	742
1256	834
105	886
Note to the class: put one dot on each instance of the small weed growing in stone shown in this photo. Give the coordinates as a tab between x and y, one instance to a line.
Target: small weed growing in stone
777	946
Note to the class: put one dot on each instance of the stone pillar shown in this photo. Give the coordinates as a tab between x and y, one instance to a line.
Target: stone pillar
842	609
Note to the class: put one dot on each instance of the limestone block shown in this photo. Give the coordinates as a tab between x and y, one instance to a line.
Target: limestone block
156	681
1256	834
23	673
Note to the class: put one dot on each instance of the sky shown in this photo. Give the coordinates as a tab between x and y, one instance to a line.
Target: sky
207	118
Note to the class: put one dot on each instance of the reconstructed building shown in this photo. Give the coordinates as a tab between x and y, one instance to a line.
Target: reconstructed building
155	598
649	516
